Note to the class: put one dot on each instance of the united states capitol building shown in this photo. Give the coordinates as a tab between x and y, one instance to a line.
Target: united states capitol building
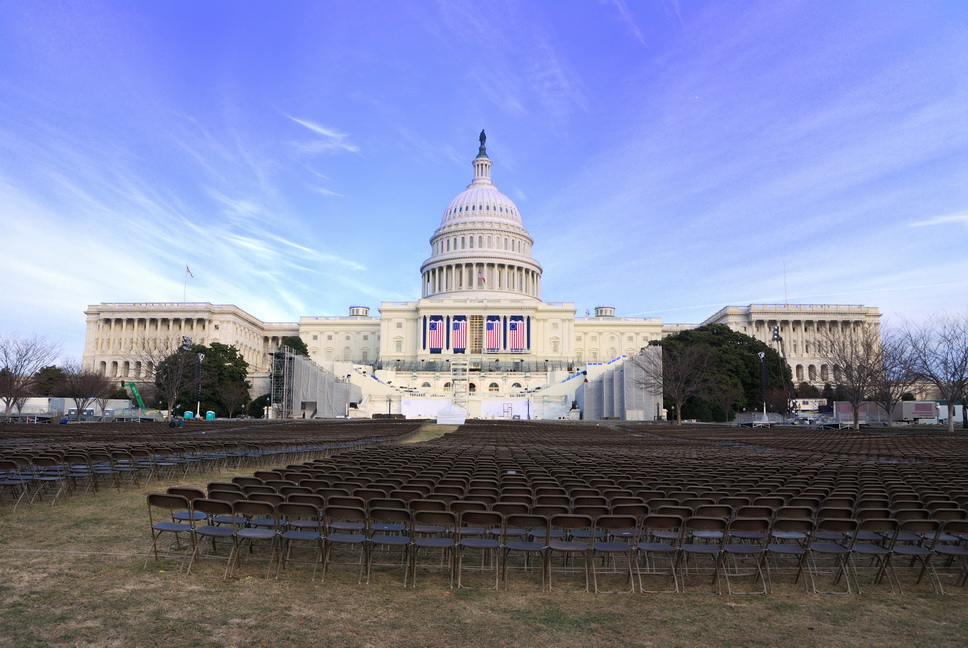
479	337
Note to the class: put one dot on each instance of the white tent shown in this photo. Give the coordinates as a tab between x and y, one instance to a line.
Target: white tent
452	415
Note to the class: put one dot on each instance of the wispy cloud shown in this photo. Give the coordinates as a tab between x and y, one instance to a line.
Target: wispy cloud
331	140
960	218
629	20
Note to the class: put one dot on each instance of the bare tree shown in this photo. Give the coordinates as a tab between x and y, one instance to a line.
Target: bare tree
233	395
681	372
83	386
939	352
168	365
895	376
20	359
724	392
854	354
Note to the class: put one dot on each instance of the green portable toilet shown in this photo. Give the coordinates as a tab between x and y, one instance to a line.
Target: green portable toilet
209	415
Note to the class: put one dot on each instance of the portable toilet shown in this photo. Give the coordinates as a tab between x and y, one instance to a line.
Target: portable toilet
209	415
188	416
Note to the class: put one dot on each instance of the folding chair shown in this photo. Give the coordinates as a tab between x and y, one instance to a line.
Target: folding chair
659	541
828	550
476	534
693	552
615	537
744	553
170	504
566	543
433	534
215	530
299	525
388	529
527	535
952	549
915	543
263	527
870	553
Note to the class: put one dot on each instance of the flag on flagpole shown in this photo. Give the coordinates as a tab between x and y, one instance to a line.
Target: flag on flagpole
188	271
480	277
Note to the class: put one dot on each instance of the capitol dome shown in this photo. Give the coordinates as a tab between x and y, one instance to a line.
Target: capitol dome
481	246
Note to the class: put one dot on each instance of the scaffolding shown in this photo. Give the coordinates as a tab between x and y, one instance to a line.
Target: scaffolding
459	379
299	388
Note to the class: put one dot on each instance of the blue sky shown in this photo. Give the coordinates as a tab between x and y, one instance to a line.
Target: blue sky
668	157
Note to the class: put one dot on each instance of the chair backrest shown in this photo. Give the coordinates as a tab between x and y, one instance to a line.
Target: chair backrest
272	498
572	522
460	506
485	519
391	515
427	505
226	495
749	525
298	510
510	508
446	519
189	493
666	523
344	513
212	506
168	501
526	521
619	523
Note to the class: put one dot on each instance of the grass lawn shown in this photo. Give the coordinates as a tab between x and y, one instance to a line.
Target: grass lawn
73	575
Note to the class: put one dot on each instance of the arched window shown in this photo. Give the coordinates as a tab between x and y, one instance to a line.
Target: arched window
472	388
446	386
516	385
347	354
812	372
799	372
493	387
425	385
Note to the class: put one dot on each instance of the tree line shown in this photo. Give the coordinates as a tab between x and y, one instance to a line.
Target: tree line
712	372
178	376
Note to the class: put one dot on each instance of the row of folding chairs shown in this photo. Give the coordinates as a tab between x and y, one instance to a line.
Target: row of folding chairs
651	553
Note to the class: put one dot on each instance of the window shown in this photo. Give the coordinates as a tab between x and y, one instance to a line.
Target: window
329	337
425	385
347	338
516	385
366	336
347	354
472	388
446	386
399	325
315	337
398	346
493	387
365	355
554	326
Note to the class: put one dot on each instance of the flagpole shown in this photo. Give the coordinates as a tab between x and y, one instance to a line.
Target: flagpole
185	287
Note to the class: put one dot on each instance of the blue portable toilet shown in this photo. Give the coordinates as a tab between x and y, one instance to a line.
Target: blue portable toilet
188	416
209	415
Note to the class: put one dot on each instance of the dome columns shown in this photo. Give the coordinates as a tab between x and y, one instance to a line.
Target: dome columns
481	275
